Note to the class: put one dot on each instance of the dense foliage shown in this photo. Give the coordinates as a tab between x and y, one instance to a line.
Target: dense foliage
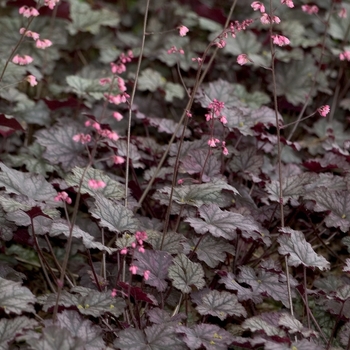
174	174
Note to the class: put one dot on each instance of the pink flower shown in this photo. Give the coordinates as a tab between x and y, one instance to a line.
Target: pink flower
258	6
43	44
310	9
223	120
344	56
124	251
118	68
117	116
31	80
280	40
105	81
28	11
51	3
133	269
342	13
22	60
289	3
212	142
121	84
183	30
265	18
63	196
198	59
221	44
141	236
96	184
29	33
188	114
216	106
323	110
118	160
113	293
146	275
82	138
242	59
141	250
180	181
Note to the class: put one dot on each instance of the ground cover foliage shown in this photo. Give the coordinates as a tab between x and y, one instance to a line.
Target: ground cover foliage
174	174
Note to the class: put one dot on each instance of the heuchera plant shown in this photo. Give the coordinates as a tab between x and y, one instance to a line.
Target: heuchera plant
174	175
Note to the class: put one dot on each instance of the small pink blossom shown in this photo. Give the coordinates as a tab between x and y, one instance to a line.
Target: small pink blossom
265	19
183	30
121	84
216	106
113	293
208	116
188	114
112	135
32	80
51	3
242	59
118	68
289	3
96	184
141	236
280	40
22	60
82	138
342	13
141	249
105	81
344	56
43	44
29	33
146	274
323	110
212	142
63	196
124	251
276	19
88	123
198	59
310	9
117	116
118	160
258	6
133	269
221	44
96	126
28	11
180	181
223	120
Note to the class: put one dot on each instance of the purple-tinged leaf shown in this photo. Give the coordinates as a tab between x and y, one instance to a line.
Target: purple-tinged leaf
248	343
329	284
56	338
220	304
264	324
131	339
66	299
134	154
156	337
95	303
271	265
157	263
31	185
197	195
10	329
242	292
168	126
172	243
299	345
6	227
247	162
299	251
159	316
186	273
62	227
294	326
15	298
265	282
60	147
113	189
337	202
82	329
343	293
212	250
210	336
114	216
293	187
221	223
194	162
344	334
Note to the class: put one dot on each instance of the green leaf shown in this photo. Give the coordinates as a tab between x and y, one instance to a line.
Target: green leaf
113	189
82	329
33	186
15	298
11	329
172	242
114	216
131	339
173	90
220	304
186	273
260	324
299	251
84	19
83	87
150	80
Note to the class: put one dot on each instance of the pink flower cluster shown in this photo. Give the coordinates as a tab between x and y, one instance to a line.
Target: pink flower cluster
82	138
22	60
28	11
324	110
173	49
183	30
120	66
63	196
310	9
112	135
96	184
344	56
